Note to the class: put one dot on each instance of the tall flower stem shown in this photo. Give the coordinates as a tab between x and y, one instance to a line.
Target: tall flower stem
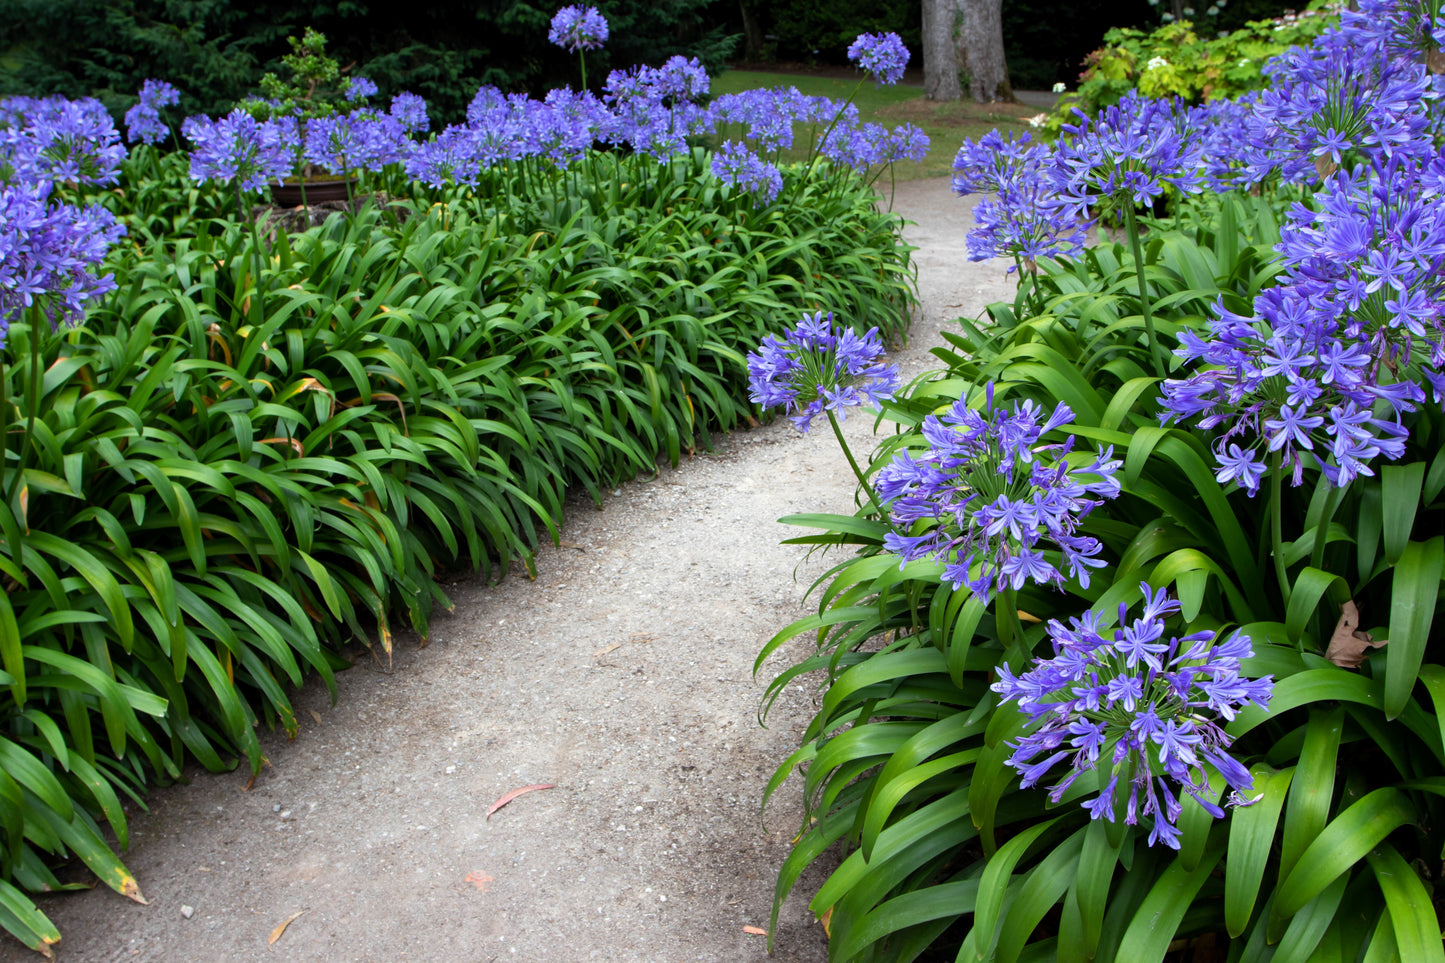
1276	523
32	403
1010	628
257	315
1322	529
875	505
1132	226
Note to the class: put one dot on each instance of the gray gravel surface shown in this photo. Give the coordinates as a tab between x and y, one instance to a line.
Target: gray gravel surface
622	675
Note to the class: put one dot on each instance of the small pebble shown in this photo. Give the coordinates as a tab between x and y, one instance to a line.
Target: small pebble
188	911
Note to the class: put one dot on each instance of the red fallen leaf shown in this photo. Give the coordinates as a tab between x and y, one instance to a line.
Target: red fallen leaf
517	792
479	880
755	931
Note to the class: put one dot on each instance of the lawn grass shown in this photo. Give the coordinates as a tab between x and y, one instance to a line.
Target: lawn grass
946	123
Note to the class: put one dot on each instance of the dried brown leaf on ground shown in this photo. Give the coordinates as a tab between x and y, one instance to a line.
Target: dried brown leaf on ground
1348	645
281	928
755	931
517	792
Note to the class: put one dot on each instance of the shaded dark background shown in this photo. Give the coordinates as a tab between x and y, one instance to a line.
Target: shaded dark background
215	50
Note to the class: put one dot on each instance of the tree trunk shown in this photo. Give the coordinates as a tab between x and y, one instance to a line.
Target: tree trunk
983	43
752	34
940	61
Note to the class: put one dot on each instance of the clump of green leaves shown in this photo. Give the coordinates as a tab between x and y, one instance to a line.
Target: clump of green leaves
1175	61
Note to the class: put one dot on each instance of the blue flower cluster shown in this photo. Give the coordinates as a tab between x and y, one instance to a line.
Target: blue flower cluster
359	89
1130	150
1137	710
58	141
881	55
143	122
736	165
1025	218
816	368
1351	337
49	246
578	28
986	496
241	149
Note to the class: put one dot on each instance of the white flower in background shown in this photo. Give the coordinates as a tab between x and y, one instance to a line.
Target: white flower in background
1060	88
1155	63
1038	120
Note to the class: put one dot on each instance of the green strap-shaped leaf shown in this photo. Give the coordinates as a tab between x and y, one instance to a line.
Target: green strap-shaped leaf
1413	593
1342	844
1309	587
1312	789
1412	913
10	650
27	924
1154	925
1046	883
83	841
1308	926
992	887
1400	487
1251	835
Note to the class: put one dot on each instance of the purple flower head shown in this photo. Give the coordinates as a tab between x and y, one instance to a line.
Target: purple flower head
815	368
1129	151
986	496
359	89
409	110
1343	347
739	167
143	121
240	148
1358	92
881	55
578	28
1154	726
768	114
449	158
48	252
58	140
1026	219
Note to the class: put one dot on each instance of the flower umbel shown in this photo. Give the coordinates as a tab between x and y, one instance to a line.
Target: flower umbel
1138	710
985	497
881	55
814	369
578	28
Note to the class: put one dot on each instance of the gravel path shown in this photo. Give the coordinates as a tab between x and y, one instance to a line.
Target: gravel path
622	674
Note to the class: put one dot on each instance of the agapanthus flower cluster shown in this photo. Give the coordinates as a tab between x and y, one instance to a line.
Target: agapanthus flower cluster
988	495
1356	93
654	107
58	140
1140	711
816	368
767	113
881	55
143	122
578	28
48	252
1128	152
739	167
1343	346
345	142
409	111
238	148
359	89
1025	218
